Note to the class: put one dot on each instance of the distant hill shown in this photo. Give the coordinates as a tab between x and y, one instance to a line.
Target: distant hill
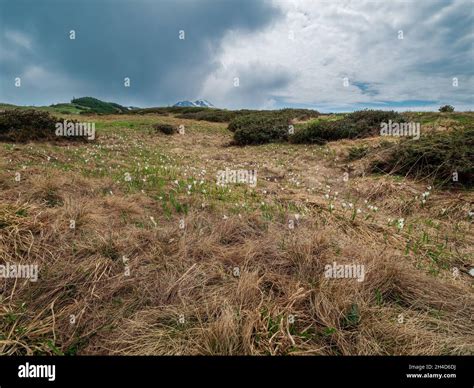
94	105
83	105
61	108
197	103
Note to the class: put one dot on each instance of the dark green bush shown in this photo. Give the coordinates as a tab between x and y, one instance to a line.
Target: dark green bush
446	108
315	133
321	132
212	115
435	156
165	128
260	129
373	118
356	153
252	120
299	114
223	115
18	125
167	110
358	124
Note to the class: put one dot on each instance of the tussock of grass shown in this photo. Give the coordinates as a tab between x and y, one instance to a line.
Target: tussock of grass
357	152
436	156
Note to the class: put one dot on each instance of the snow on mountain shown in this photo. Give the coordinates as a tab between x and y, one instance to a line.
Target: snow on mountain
197	103
184	103
203	103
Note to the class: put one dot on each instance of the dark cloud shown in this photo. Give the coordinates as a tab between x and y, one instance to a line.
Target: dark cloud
259	85
116	39
248	39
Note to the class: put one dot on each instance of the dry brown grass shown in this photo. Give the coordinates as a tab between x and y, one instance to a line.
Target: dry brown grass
183	296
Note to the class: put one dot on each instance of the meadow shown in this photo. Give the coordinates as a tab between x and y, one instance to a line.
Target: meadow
140	251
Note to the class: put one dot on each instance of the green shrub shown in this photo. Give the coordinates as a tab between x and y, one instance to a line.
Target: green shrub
249	120
18	125
358	124
223	115
446	108
212	115
165	128
372	118
299	114
314	133
259	129
356	153
167	110
435	156
321	132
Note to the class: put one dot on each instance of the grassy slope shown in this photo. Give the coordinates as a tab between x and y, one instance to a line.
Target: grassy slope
77	106
58	109
181	296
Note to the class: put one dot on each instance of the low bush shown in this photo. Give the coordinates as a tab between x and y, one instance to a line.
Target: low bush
446	108
250	120
359	124
439	156
356	153
373	118
299	114
165	128
259	128
223	115
246	117
18	125
321	132
212	115
167	110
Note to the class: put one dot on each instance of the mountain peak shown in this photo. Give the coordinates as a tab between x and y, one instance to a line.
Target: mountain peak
197	103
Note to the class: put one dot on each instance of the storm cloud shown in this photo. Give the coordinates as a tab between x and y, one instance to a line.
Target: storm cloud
397	54
114	40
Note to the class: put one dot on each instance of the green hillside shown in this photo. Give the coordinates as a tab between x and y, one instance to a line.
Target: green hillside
95	105
83	105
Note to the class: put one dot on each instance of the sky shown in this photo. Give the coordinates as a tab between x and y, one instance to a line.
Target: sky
337	55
